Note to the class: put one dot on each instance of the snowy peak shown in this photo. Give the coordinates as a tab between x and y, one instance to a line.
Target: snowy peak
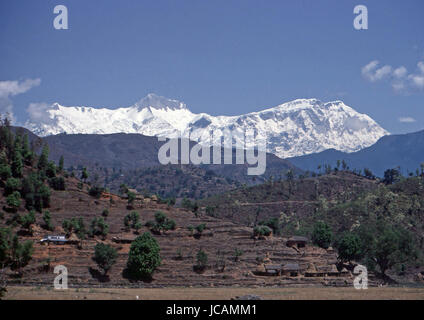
295	128
157	102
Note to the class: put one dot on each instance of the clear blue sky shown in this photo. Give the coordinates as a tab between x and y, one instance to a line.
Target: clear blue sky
220	57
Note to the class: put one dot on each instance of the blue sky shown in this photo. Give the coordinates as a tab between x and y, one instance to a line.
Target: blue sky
220	57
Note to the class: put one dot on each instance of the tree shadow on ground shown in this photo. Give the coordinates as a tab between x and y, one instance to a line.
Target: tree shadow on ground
127	275
98	275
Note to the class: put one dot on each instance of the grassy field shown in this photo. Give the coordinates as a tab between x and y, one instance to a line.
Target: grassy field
330	293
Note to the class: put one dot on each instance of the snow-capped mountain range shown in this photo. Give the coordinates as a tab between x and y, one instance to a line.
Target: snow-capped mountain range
294	128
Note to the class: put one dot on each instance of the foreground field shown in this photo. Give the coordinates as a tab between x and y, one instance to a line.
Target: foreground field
347	293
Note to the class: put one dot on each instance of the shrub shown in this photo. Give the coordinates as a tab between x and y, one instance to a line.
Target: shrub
96	191
200	228
21	254
57	183
75	225
272	223
144	257
237	254
105	256
47	220
5	172
261	231
14	200
28	220
12	184
99	227
322	235
202	260
162	223
131	219
51	170
105	212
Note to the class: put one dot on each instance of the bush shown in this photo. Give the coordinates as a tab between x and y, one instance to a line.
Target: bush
322	235
96	191
47	221
144	257
12	184
262	231
105	212
5	172
75	225
28	220
237	254
21	254
99	227
131	219
105	256
14	200
51	170
162	223
272	223
202	260
57	183
200	228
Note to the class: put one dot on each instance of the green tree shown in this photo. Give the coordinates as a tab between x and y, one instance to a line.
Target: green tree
6	237
14	200
131	198
200	228
349	247
17	160
202	260
61	164
262	231
27	154
105	256
368	174
272	223
144	257
12	185
131	219
386	246
84	174
162	222
391	176
47	218
105	213
51	170
99	227
21	254
322	235
43	161
28	220
237	254
5	172
57	183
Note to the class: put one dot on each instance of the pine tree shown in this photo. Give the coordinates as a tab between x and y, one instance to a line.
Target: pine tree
84	174
26	151
17	163
61	162
43	161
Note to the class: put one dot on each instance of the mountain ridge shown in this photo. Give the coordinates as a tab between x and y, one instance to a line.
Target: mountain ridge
295	128
403	150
